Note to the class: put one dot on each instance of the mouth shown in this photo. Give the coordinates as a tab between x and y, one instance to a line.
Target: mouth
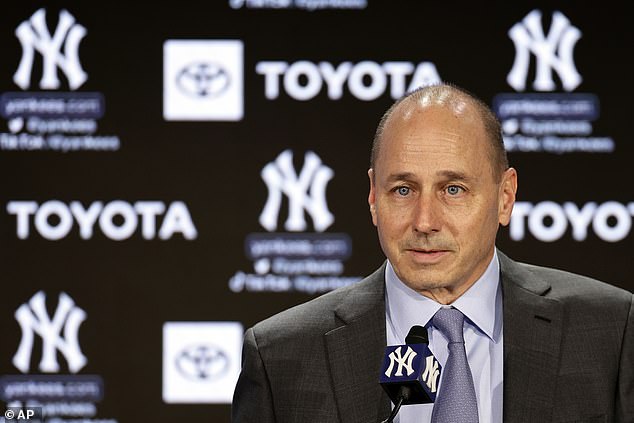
427	256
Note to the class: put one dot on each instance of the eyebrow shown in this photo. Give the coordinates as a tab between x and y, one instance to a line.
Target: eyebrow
454	175
401	176
447	174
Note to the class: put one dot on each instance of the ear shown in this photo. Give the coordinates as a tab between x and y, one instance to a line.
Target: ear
506	196
372	196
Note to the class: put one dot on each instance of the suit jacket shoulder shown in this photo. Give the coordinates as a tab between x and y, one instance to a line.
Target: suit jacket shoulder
568	350
318	361
563	285
323	313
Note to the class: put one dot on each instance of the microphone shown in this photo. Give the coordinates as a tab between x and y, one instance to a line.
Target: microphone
410	372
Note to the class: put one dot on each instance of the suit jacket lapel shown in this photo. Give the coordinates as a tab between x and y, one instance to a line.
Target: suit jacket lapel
355	351
532	339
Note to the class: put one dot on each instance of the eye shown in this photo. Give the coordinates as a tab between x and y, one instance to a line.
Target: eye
403	191
454	189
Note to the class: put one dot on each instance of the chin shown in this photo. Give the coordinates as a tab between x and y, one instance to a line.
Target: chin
428	281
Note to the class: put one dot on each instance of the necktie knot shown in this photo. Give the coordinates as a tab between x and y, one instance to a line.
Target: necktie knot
450	321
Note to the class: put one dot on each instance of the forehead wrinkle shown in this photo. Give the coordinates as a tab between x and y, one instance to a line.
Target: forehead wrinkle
441	149
414	156
441	144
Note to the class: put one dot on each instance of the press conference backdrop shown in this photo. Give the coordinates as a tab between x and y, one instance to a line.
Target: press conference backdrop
173	173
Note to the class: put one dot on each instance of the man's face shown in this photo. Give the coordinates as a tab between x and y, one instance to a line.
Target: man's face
435	200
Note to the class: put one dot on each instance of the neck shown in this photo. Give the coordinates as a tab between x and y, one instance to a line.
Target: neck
445	295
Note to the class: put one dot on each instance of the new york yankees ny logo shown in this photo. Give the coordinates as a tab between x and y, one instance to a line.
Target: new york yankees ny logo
34	319
305	192
552	52
34	35
431	373
403	362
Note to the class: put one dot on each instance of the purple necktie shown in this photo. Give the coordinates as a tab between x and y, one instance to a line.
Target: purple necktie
456	401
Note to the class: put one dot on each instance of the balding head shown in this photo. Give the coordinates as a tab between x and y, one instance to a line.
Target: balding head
457	100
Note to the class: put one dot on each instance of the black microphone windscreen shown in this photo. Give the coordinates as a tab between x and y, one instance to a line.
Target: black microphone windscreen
417	335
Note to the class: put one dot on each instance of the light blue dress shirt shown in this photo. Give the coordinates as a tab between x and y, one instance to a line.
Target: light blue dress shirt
482	306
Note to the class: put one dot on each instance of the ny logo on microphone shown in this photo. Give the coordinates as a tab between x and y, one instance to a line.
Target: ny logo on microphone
419	385
402	361
432	373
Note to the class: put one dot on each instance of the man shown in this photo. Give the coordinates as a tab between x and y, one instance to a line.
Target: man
541	345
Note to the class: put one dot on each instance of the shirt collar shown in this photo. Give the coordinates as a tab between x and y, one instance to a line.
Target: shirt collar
481	303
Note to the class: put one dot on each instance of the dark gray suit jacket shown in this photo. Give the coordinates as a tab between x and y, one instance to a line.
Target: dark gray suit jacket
568	353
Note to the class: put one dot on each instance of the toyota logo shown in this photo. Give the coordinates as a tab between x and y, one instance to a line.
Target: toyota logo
203	80
202	362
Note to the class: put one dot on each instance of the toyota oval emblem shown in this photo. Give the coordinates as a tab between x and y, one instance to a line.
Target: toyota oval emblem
202	79
202	362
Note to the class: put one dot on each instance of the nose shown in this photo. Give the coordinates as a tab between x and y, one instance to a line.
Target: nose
427	217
